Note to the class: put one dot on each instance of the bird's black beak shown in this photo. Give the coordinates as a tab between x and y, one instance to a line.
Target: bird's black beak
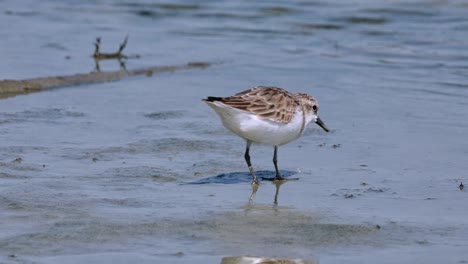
321	124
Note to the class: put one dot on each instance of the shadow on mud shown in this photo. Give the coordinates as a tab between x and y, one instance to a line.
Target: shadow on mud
241	177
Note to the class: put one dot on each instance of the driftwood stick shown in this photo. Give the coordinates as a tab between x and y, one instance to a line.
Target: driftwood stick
10	88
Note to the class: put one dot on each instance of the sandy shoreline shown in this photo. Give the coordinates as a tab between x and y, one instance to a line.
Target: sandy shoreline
10	88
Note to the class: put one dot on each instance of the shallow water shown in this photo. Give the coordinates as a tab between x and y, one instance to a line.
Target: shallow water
142	171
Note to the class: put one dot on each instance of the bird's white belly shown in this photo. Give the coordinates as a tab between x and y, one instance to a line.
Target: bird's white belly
263	131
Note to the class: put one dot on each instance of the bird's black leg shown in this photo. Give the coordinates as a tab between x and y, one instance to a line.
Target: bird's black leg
247	159
278	176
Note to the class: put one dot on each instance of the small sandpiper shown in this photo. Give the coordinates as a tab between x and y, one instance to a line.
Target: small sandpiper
266	115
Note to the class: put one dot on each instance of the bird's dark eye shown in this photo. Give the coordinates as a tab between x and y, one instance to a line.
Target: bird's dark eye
314	107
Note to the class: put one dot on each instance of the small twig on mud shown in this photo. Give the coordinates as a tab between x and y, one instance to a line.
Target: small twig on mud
104	56
122	46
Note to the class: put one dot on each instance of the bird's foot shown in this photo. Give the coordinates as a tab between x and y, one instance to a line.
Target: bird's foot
254	177
279	178
255	181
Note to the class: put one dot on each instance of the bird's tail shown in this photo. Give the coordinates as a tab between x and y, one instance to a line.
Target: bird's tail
213	99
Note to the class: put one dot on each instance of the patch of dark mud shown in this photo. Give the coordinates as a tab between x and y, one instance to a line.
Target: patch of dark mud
96	154
123	202
367	20
228	15
22	166
178	6
14	151
163	6
277	10
22	13
55	46
173	145
164	148
164	115
401	12
158	175
320	26
251	30
364	189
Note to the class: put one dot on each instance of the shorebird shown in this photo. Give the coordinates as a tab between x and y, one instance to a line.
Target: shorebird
266	115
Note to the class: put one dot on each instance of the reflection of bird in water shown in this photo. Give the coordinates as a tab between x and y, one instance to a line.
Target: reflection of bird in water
278	185
255	189
461	186
254	192
266	115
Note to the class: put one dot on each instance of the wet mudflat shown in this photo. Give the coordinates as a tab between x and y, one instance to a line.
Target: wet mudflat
141	170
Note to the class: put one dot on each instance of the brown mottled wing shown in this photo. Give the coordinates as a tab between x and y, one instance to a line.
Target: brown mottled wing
271	103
